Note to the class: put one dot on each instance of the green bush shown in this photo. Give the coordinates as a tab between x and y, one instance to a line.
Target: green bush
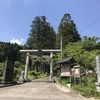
17	72
87	91
2	65
17	64
88	87
35	75
2	68
15	75
64	81
89	81
1	72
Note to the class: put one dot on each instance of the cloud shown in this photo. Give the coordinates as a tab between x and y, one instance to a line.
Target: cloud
19	42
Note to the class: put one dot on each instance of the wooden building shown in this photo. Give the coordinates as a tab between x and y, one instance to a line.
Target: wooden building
66	65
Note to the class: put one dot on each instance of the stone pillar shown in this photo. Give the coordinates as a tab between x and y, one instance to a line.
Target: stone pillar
98	73
26	68
51	79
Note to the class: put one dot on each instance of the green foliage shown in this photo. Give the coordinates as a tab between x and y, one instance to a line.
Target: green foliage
2	68
42	35
89	81
87	91
35	75
17	70
56	66
9	51
88	88
90	43
67	29
65	81
1	72
17	64
84	57
16	74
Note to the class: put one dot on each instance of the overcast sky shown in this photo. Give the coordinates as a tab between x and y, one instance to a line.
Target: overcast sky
16	16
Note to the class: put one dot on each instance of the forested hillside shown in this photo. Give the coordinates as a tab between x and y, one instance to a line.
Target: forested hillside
9	51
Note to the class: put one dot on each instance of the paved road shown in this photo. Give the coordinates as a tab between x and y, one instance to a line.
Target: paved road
39	90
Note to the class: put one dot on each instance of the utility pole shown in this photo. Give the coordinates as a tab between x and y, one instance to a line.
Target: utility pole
61	47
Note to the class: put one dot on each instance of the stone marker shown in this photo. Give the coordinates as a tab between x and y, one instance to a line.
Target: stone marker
9	68
98	73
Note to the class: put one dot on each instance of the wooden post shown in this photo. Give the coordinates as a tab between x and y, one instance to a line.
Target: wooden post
70	75
74	80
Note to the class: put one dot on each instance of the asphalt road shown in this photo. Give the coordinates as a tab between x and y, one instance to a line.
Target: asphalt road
39	90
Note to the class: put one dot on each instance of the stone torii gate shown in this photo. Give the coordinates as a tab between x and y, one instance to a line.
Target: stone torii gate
51	51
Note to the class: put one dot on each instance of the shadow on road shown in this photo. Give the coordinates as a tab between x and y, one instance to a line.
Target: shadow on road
8	85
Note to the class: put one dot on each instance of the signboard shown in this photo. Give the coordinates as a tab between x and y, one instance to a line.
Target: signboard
76	71
65	70
9	71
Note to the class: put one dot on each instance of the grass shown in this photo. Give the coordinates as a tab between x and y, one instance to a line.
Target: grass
87	91
35	75
64	81
88	88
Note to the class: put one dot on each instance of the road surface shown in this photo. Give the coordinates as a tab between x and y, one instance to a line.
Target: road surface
39	90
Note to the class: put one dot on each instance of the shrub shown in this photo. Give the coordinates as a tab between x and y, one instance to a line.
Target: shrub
2	66
64	81
88	87
35	75
17	64
17	72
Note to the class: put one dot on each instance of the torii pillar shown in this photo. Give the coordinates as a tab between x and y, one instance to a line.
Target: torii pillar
51	79
26	67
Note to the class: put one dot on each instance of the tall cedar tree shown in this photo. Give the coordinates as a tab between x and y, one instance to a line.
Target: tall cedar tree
42	35
67	29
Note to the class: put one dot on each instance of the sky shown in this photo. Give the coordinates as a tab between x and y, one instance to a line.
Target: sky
16	16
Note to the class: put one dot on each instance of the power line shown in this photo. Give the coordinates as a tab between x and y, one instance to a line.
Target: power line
89	25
